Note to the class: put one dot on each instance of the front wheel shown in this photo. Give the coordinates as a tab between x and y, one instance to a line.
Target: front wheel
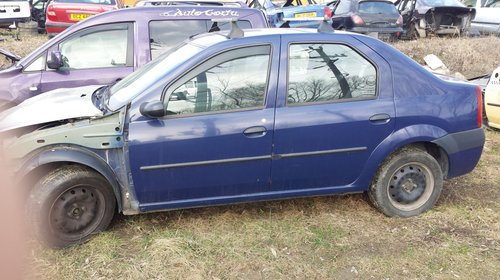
408	183
69	205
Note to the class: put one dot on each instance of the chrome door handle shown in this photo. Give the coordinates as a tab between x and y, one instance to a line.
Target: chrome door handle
255	131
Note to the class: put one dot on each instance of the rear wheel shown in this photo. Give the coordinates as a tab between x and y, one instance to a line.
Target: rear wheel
69	205
408	183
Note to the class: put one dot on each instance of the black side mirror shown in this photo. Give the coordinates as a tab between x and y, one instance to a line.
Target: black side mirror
153	109
55	61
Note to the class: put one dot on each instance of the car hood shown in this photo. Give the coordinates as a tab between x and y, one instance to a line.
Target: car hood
56	105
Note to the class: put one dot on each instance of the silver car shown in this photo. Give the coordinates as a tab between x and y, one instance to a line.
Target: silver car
487	19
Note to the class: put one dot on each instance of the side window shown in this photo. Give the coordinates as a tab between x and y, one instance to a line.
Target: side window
343	7
328	72
37	65
164	35
97	48
238	82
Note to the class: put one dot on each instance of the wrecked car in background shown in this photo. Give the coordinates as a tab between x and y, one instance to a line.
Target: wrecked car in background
291	13
422	18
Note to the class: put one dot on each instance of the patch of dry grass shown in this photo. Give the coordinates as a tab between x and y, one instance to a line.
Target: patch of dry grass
470	56
338	237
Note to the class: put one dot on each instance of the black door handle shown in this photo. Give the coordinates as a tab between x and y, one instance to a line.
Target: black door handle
380	118
255	131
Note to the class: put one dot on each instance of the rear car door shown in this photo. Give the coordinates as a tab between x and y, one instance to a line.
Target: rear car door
335	106
214	145
97	55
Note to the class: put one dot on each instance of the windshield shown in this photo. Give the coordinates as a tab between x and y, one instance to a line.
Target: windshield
441	3
125	90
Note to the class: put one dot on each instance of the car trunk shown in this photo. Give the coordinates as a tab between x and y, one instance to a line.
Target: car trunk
378	14
447	20
74	12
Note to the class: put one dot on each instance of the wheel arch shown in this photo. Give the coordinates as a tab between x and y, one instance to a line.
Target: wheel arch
49	158
419	136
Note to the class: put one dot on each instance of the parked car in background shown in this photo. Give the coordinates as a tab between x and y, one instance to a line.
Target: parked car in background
106	47
422	18
63	13
487	19
379	18
231	117
143	3
492	100
291	13
13	11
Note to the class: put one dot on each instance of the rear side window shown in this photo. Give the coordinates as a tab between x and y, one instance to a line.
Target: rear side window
164	35
377	8
343	7
328	72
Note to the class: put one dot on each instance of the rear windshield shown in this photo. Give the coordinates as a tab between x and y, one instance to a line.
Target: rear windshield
164	35
102	2
377	8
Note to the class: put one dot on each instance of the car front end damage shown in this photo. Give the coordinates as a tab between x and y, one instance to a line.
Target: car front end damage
443	21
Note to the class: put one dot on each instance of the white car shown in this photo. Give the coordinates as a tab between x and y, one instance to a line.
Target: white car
492	100
487	19
12	12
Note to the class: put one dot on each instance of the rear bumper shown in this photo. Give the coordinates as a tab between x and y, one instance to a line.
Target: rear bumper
464	150
56	27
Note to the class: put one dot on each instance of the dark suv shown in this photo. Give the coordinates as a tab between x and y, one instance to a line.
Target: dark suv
106	47
379	18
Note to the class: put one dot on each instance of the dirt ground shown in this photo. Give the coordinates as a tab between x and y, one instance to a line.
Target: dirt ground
337	237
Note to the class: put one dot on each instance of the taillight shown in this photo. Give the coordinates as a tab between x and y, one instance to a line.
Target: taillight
357	20
400	20
479	106
328	12
50	12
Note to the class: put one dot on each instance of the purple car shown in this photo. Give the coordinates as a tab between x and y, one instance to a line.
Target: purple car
107	47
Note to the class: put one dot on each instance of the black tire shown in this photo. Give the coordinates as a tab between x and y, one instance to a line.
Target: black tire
408	183
70	204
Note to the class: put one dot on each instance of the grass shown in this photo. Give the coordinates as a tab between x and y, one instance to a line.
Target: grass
338	237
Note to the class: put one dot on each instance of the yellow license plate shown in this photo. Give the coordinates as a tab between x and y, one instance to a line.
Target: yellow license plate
78	17
304	15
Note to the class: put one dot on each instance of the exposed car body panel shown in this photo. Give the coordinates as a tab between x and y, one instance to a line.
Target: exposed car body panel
56	105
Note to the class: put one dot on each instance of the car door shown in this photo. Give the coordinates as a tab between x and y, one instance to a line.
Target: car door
94	56
214	145
335	106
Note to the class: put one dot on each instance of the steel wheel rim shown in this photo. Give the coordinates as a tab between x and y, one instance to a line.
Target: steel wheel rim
410	186
77	212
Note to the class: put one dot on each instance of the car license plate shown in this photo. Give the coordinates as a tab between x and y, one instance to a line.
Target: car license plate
78	17
305	15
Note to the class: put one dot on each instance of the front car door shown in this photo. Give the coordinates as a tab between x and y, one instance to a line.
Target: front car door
97	55
334	107
214	145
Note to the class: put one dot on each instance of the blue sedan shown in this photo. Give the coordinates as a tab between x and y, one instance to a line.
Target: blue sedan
244	116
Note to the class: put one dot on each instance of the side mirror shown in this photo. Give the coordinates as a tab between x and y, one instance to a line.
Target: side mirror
153	109
55	61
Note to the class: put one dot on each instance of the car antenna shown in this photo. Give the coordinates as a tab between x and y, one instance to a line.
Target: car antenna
325	26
